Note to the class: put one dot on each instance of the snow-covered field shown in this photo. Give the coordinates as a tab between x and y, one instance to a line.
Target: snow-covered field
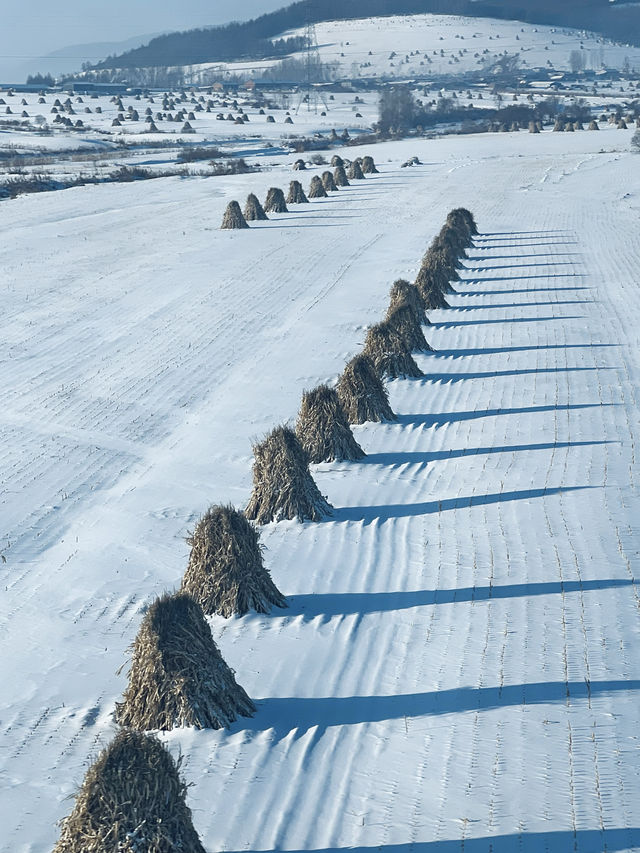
417	45
458	668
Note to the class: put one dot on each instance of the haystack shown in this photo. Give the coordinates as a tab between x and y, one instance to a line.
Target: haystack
436	266
328	183
296	194
316	190
361	393
355	171
299	165
336	160
233	217
340	177
282	483
463	222
368	166
253	210
468	217
323	429
404	293
430	291
226	572
593	125
275	202
403	320
389	353
178	676
132	799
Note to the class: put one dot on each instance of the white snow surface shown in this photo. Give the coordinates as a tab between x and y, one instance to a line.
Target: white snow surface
458	668
446	44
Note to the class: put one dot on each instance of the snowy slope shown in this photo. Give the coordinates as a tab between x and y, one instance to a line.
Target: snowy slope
404	46
459	659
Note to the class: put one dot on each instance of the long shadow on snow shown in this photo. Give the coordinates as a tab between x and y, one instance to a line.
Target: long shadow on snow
426	457
474	279
286	714
537	245
342	604
442	418
384	512
489	267
553	841
502	292
495	374
465	309
452	325
458	353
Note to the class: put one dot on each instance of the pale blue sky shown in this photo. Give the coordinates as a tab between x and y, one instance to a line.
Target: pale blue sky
31	29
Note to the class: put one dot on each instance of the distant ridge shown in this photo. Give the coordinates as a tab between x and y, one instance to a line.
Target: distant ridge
252	39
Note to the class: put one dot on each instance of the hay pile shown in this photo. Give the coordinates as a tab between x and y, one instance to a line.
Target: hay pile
226	573
404	322
275	202
368	166
300	165
336	160
316	190
282	483
328	183
361	393
404	293
462	219
233	217
389	353
178	676
296	194
437	266
323	429
253	210
340	177
355	171
430	291
132	799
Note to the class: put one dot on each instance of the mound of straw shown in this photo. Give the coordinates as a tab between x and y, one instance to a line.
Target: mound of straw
368	166
323	428
401	293
226	572
275	202
253	210
336	160
132	799
178	676
296	194
282	483
233	217
430	291
361	393
316	190
328	183
355	171
438	268
404	322
389	353
340	177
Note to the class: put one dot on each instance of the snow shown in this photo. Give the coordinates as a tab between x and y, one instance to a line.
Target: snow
457	668
446	44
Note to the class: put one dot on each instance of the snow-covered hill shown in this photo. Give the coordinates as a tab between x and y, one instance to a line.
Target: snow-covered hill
405	46
458	666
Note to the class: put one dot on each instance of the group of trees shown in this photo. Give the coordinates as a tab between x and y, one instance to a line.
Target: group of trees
399	112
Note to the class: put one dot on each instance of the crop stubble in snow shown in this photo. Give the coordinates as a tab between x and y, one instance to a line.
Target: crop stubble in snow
457	661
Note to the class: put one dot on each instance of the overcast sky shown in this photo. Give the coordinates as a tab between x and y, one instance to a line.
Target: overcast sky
31	29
